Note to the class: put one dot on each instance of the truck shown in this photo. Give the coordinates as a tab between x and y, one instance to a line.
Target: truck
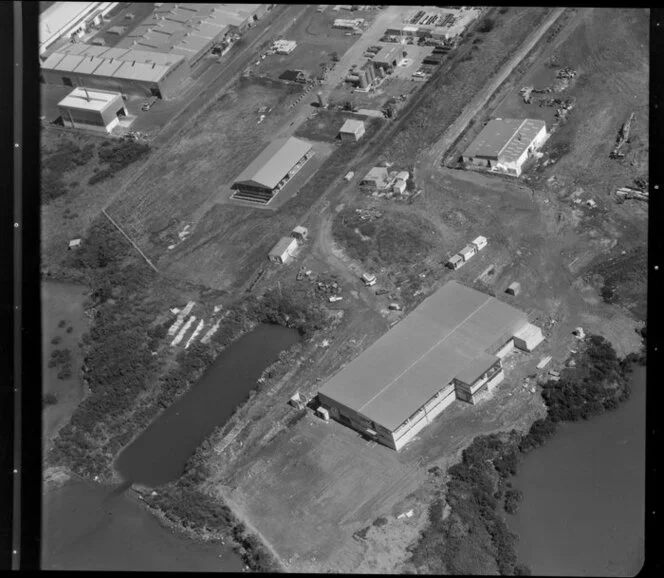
149	103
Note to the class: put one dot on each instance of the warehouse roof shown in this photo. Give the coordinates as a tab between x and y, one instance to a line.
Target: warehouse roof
272	165
476	368
504	137
59	16
89	99
408	365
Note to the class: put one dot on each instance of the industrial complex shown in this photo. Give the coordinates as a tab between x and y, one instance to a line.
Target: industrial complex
266	175
448	348
505	144
153	59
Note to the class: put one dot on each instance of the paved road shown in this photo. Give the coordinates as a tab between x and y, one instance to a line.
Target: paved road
438	150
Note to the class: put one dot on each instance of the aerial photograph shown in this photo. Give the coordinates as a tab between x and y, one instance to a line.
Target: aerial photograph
357	289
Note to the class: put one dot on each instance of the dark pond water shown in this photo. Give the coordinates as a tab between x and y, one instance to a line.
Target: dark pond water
583	511
159	454
92	527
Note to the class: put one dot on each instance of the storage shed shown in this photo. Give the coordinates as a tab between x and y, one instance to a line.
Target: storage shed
283	250
514	288
455	261
467	252
300	233
399	187
74	243
352	130
479	243
376	177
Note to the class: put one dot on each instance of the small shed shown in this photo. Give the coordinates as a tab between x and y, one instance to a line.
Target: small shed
368	279
377	177
467	252
298	401
300	233
514	288
479	243
352	130
528	337
403	175
75	243
399	187
349	176
455	261
283	250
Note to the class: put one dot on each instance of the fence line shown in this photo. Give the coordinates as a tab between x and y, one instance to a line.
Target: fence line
130	240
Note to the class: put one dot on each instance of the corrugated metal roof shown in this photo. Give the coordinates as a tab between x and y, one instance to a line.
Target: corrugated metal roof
89	65
68	63
279	157
408	365
521	140
493	137
476	368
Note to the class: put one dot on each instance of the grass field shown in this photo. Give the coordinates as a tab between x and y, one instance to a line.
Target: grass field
192	171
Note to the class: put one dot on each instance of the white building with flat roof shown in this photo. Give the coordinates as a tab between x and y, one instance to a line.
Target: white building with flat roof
92	109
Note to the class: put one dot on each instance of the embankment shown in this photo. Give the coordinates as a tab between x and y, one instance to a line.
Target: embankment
467	532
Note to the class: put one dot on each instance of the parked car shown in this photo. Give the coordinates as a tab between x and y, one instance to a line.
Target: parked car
368	279
335	298
148	104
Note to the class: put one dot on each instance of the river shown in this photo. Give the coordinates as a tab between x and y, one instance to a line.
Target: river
583	509
88	526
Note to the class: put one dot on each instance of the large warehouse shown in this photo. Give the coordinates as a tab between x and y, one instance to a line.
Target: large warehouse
117	69
191	30
449	347
271	170
505	144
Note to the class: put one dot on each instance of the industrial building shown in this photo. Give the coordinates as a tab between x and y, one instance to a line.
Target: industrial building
96	110
505	144
450	347
388	56
271	170
64	19
352	130
155	57
118	69
190	30
283	250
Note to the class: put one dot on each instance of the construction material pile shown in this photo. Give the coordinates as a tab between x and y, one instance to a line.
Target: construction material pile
623	137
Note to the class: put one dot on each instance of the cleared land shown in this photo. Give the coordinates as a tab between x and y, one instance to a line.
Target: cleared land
534	237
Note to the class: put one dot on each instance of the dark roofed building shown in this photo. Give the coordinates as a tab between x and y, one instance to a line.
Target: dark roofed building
445	349
293	76
271	170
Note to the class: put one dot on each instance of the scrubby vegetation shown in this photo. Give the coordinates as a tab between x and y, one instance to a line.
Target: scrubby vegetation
118	156
57	163
478	487
50	399
391	239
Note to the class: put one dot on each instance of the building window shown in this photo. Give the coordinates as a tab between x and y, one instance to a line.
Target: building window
66	81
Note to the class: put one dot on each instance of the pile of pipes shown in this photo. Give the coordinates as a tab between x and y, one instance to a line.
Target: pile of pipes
631	193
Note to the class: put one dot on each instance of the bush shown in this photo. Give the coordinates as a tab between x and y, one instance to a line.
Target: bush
486	25
70	329
381	521
512	500
50	399
62	323
57	339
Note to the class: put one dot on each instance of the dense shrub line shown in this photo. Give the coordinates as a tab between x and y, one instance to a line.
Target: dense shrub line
55	164
478	487
118	156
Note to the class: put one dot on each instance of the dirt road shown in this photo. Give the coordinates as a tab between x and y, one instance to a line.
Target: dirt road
476	104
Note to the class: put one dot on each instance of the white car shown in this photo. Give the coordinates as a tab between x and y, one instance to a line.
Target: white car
335	298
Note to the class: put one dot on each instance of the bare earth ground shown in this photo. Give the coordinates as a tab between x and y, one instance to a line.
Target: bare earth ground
315	475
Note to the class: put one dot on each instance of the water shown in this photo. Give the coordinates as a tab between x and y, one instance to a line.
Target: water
159	454
583	511
87	526
61	302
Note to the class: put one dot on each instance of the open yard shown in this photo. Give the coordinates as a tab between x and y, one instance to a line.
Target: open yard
316	41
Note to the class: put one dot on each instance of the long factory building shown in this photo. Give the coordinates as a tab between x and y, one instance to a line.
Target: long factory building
450	347
157	56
